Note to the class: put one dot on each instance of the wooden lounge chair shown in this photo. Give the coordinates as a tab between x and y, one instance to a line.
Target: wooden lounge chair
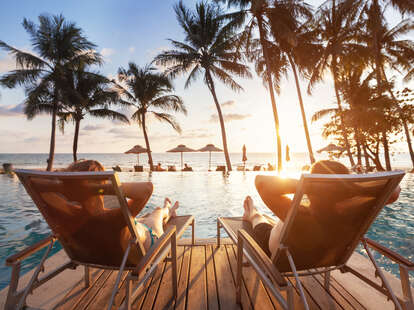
92	239
367	194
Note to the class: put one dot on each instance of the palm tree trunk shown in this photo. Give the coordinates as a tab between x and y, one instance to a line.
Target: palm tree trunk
302	110
378	66
52	139
271	92
402	118
386	150
75	140
338	99
223	129
366	156
144	129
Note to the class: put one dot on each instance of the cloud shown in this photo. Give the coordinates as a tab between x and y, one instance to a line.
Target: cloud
229	117
32	140
13	110
93	127
228	103
7	63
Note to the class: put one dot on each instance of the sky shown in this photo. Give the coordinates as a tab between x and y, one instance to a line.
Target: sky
137	31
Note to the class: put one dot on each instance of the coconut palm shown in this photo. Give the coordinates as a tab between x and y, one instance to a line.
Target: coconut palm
337	29
392	52
55	42
298	43
256	11
87	93
208	49
149	92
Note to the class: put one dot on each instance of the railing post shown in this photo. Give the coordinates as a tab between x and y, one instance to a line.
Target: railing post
174	263
87	277
218	233
12	296
406	287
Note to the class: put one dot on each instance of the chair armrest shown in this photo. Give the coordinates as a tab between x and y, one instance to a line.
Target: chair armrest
11	260
155	249
263	260
389	253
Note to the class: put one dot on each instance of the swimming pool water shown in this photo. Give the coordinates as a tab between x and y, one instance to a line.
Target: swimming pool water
206	196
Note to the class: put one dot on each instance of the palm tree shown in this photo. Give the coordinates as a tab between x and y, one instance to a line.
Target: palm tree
392	52
146	90
55	42
257	10
208	48
337	29
87	93
298	43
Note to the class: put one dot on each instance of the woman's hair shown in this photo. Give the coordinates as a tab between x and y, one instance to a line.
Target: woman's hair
328	167
85	165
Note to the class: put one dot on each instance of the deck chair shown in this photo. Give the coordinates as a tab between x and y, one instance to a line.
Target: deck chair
84	235
367	194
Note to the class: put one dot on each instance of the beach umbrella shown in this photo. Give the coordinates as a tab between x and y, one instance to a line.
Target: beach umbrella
244	156
137	149
181	149
331	148
210	148
287	153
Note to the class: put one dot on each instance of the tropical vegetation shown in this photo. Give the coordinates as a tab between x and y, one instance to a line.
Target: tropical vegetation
149	92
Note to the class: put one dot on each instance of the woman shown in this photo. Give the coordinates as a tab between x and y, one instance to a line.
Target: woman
314	221
86	217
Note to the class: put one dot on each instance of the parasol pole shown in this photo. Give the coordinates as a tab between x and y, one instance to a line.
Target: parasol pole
209	162
181	160
138	158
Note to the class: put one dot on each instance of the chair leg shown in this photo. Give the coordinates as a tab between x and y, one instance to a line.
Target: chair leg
379	273
327	280
406	287
239	270
87	276
193	232
298	283
174	264
218	233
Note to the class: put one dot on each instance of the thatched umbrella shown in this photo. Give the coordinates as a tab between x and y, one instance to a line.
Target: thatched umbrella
181	149
331	148
137	149
210	148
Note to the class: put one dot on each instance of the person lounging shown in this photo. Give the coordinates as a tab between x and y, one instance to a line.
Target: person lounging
314	217
91	212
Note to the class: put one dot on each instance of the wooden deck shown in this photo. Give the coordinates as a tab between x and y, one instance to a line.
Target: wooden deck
206	281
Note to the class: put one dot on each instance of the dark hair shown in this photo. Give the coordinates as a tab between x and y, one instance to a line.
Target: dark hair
85	165
328	167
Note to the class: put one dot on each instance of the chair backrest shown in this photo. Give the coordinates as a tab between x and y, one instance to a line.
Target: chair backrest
72	205
343	207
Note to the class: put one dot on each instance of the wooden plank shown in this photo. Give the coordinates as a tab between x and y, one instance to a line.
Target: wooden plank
226	280
258	295
197	288
318	293
165	298
183	280
152	289
211	280
297	301
93	291
346	300
102	298
79	291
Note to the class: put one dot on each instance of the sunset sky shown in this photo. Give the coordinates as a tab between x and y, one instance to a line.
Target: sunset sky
136	31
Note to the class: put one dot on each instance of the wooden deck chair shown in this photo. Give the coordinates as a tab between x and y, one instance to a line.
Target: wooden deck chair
367	194
89	238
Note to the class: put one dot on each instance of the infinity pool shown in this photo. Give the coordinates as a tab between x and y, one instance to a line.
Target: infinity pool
206	196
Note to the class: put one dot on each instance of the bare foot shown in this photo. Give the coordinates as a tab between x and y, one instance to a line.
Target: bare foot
248	208
173	210
167	202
